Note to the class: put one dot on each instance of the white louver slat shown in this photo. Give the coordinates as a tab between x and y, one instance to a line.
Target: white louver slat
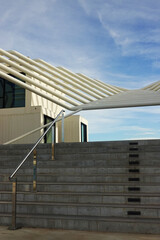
70	90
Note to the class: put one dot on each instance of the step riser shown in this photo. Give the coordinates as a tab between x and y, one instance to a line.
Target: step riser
18	159
83	179
110	170
111	144
21	154
93	211
25	147
148	156
88	151
114	156
119	157
113	186
83	188
82	199
96	150
81	163
85	225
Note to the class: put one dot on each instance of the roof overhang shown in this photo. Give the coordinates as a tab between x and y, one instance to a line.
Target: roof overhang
70	90
130	98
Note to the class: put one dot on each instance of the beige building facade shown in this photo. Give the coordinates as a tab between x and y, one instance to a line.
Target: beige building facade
22	111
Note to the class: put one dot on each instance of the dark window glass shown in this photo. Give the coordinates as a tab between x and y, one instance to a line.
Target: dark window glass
1	93
19	100
83	132
11	95
48	136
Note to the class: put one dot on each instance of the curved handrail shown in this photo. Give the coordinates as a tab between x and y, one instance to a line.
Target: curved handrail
38	141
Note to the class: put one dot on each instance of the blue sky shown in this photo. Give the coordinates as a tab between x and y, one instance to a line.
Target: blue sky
115	41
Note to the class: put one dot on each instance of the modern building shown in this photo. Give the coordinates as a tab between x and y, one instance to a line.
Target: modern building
99	186
33	92
22	111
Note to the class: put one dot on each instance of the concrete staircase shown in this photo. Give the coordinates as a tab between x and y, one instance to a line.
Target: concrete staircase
101	186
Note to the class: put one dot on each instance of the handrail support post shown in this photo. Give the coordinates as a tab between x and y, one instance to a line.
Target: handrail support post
63	126
34	170
53	137
14	203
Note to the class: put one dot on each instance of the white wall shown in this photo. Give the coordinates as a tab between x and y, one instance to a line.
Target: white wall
72	129
17	121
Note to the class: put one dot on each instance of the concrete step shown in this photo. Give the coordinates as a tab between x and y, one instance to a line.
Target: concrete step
115	178
91	186
85	170
111	156
88	162
105	149
60	152
98	198
109	144
130	225
22	147
86	187
23	152
83	209
18	158
61	149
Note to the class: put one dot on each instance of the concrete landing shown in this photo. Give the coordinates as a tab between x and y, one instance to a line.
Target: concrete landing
48	234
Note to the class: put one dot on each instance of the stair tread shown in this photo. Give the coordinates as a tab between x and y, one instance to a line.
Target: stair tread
106	194
143	206
128	184
110	219
139	166
142	194
89	175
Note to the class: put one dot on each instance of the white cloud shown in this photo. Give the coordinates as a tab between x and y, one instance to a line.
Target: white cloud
92	37
148	110
123	123
134	29
156	64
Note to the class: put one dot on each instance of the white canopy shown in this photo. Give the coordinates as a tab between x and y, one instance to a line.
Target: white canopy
71	91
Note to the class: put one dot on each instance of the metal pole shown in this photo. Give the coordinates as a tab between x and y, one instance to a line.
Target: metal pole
53	142
14	199
63	126
34	170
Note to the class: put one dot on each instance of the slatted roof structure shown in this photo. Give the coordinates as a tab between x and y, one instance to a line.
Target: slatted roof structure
72	91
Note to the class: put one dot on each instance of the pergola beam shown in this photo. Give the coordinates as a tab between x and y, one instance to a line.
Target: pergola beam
70	90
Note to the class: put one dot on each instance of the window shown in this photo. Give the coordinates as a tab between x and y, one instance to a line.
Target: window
11	95
83	132
48	136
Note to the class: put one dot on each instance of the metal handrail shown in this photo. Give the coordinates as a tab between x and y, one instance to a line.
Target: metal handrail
38	141
14	183
26	134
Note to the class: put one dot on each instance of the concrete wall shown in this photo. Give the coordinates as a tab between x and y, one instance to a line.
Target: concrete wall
72	129
17	121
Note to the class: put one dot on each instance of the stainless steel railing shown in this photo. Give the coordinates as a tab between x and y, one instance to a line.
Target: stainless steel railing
14	180
38	141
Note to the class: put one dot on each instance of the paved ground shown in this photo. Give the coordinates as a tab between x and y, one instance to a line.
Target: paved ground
47	234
